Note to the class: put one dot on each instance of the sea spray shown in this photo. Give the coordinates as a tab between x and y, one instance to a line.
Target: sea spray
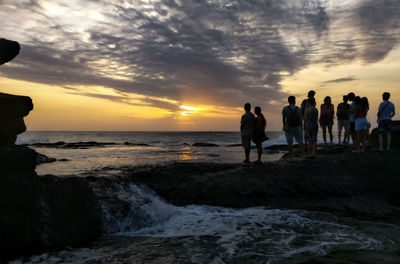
130	210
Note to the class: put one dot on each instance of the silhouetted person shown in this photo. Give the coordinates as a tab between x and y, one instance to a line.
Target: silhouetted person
342	114
361	124
385	113
292	125
259	131
326	118
246	129
351	96
304	104
311	126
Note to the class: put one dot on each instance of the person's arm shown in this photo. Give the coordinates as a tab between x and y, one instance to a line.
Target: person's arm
242	123
284	119
333	111
394	112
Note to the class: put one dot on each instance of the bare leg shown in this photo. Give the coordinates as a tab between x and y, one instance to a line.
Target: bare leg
340	135
389	141
363	139
247	154
259	151
346	137
324	134
380	139
290	150
301	145
358	139
330	134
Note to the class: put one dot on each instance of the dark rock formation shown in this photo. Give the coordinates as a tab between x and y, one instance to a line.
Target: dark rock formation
41	158
12	108
9	50
42	212
395	135
12	111
205	145
72	145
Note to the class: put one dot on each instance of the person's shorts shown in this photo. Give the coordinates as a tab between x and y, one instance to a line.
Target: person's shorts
343	124
385	127
246	142
326	121
294	132
361	124
352	126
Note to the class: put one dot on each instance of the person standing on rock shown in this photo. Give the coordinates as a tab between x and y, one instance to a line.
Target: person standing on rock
326	118
385	113
259	131
351	96
246	130
311	126
342	115
361	124
292	125
304	105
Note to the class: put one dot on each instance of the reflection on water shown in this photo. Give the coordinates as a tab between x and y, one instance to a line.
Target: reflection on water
186	154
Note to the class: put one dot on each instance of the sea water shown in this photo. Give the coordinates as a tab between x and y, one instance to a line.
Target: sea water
144	148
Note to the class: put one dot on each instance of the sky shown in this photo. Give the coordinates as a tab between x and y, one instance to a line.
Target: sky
190	65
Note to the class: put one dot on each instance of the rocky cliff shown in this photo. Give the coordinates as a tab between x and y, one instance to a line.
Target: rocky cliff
36	212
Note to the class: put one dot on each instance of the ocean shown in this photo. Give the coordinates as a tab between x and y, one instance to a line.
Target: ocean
156	231
144	148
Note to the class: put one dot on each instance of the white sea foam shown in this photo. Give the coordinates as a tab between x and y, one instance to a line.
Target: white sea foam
276	233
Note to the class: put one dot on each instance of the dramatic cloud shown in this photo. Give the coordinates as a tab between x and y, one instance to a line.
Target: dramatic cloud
218	52
345	79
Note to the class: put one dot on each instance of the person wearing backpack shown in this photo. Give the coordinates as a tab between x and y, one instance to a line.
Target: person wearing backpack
385	113
292	125
342	114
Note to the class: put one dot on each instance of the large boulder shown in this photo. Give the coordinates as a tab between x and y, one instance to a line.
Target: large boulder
8	50
395	135
13	109
41	212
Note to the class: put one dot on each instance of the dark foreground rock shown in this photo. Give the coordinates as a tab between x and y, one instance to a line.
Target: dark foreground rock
42	212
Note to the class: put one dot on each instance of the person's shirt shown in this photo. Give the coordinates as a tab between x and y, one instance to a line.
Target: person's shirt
247	124
360	112
304	106
351	115
327	111
260	123
288	111
386	109
311	116
342	112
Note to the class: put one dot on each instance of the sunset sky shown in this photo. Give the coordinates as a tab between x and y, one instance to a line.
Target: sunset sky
190	65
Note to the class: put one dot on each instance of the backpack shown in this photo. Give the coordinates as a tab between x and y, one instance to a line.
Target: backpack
343	111
293	118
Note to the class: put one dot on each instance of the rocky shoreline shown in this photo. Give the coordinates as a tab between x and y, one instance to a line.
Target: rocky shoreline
47	212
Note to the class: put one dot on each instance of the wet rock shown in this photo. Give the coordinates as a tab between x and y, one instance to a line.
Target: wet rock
41	158
205	145
136	144
73	145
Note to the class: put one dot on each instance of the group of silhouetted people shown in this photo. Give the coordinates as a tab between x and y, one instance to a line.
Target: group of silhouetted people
302	124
